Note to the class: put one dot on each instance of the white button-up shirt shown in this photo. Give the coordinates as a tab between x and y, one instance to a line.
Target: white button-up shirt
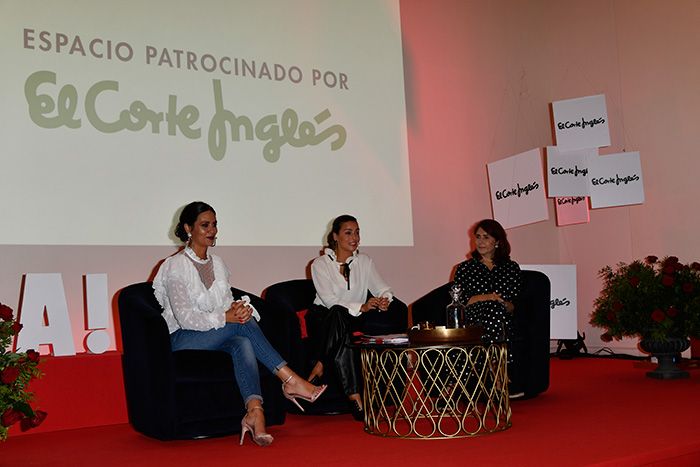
332	288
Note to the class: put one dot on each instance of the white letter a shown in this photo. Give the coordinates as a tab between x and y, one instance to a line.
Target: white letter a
45	292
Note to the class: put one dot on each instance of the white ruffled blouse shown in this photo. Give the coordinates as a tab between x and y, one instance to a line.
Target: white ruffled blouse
186	302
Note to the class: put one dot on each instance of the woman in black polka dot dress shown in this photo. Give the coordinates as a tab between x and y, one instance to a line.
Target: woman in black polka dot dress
490	282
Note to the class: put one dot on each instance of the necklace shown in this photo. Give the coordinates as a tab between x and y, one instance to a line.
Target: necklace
193	256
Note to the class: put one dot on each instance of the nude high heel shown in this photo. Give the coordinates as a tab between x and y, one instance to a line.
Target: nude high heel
318	390
261	439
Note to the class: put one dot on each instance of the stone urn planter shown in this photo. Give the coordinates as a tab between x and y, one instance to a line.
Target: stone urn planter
666	351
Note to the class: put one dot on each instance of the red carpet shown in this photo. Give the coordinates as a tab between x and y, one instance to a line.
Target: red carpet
596	412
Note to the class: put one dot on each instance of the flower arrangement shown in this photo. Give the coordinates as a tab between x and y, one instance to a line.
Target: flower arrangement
17	369
652	299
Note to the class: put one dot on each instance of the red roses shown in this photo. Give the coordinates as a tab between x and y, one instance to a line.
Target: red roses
34	421
667	280
10	416
651	298
33	355
5	312
9	375
17	369
658	315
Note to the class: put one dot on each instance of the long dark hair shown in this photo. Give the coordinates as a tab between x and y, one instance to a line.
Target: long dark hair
494	229
189	215
335	229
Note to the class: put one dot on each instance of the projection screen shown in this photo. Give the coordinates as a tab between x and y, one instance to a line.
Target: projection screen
281	114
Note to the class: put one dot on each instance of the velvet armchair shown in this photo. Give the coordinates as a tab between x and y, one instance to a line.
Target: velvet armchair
529	371
188	393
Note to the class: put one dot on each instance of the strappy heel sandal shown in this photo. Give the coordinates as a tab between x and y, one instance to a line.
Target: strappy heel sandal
261	439
318	390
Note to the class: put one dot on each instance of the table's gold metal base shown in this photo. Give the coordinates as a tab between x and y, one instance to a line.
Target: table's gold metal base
436	392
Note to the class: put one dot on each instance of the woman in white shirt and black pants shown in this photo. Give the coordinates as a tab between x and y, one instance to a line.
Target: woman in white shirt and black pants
350	296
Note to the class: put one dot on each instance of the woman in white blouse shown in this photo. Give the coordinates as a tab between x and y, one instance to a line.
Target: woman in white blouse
350	296
193	288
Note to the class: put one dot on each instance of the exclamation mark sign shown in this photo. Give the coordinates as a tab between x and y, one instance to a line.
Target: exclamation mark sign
97	313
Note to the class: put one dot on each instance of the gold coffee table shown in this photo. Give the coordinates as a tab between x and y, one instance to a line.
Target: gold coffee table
435	392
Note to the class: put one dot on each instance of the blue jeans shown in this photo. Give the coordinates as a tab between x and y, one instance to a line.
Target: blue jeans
244	342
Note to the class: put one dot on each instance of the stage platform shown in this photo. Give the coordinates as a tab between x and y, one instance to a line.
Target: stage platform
597	411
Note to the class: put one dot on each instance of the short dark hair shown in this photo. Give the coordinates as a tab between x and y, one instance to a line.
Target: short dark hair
189	215
494	229
337	222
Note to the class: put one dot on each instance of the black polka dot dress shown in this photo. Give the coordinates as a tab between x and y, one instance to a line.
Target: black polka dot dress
477	279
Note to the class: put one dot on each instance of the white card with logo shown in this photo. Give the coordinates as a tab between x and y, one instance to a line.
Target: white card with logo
517	189
581	123
567	171
562	302
616	180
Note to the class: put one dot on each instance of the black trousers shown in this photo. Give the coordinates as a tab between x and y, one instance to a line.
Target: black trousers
331	329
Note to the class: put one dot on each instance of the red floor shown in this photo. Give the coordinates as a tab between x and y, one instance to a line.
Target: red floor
597	411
